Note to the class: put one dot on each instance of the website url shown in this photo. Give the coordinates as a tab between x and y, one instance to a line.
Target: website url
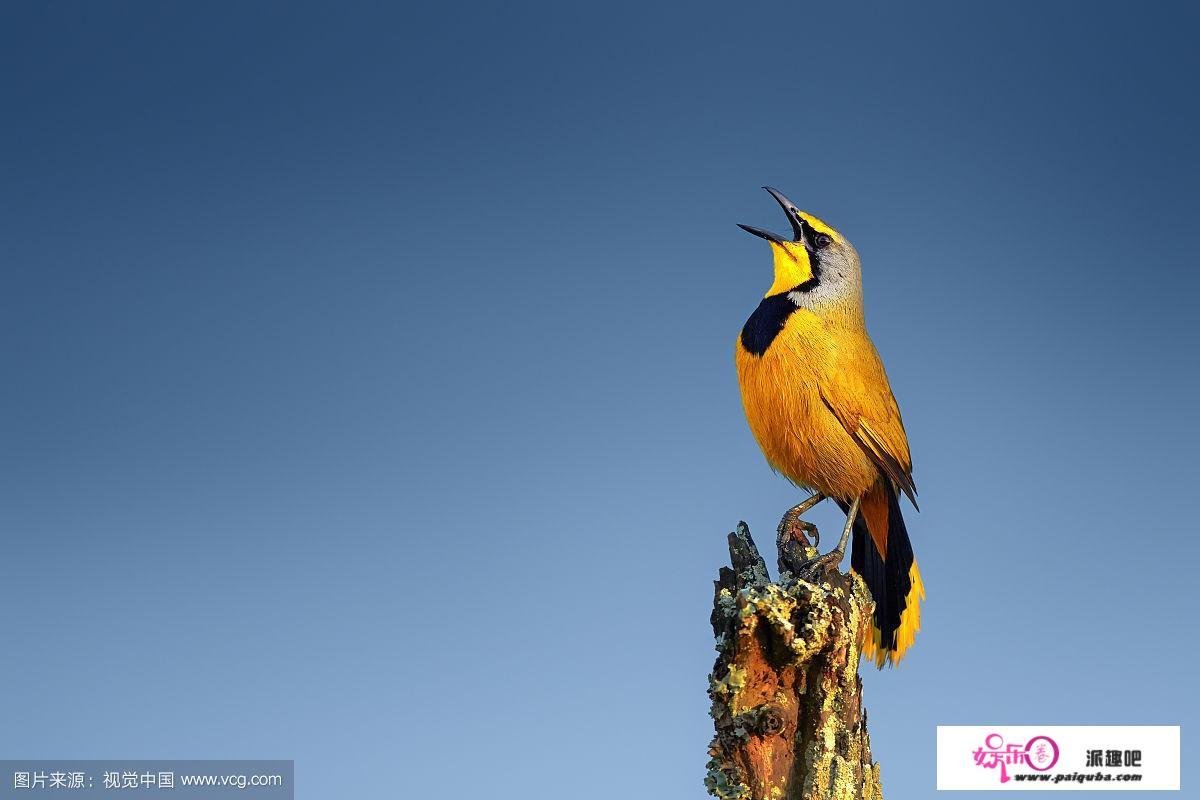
231	781
1078	777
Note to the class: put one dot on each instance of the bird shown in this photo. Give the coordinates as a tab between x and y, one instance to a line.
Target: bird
819	403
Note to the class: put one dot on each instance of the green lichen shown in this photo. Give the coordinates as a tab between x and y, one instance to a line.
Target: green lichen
727	603
721	786
736	679
723	691
778	607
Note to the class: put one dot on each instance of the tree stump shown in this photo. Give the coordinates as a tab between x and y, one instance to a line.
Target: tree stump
786	695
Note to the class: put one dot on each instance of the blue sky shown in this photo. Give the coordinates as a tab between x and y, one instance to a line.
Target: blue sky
370	397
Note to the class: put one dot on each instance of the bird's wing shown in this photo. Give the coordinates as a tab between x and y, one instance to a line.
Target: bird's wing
859	395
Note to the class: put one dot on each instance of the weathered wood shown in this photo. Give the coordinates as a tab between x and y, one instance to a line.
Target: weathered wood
786	696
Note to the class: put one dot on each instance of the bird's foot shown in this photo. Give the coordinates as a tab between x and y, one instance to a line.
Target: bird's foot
792	527
800	531
815	569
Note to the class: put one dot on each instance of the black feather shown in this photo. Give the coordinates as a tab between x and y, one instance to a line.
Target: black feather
889	579
766	322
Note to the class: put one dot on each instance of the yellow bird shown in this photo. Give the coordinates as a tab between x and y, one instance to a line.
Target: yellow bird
819	403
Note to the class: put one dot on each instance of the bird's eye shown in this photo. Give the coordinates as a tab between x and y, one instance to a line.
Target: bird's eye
823	240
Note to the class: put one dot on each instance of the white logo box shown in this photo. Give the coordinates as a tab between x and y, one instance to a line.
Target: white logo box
1053	757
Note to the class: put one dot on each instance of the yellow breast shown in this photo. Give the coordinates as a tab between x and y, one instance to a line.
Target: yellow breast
781	394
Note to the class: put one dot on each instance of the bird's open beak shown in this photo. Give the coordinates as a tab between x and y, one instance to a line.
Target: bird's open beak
760	233
793	215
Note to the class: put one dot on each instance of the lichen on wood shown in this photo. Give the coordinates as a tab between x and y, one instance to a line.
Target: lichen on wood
786	695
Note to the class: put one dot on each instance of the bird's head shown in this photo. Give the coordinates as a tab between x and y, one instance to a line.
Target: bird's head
817	267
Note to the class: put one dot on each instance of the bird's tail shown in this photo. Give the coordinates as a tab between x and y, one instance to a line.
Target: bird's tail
882	554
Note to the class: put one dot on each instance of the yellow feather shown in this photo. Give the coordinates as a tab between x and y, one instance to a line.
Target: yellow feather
820	226
910	623
782	391
793	266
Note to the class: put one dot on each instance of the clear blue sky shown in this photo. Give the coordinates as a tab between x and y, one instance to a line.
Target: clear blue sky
369	396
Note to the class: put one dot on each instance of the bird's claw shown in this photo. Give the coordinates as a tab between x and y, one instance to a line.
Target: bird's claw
801	530
813	570
793	527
